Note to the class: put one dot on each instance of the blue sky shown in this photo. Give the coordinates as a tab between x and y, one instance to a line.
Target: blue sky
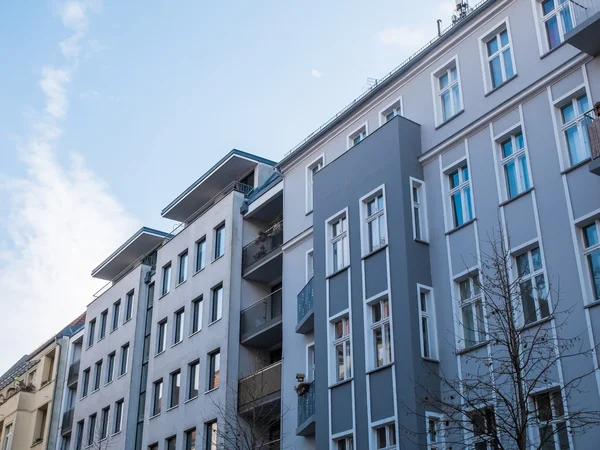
110	109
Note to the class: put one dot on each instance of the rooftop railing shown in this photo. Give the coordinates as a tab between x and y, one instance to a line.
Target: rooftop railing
306	299
266	243
583	10
260	315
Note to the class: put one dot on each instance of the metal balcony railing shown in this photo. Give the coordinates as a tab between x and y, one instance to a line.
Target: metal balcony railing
256	388
73	373
306	299
306	404
592	123
67	421
266	243
582	10
260	315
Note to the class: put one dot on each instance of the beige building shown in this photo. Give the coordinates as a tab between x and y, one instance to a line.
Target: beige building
27	391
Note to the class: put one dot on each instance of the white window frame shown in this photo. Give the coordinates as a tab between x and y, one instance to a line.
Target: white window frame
165	286
439	443
555	420
316	163
310	264
437	92
200	260
587	251
124	359
463	185
346	342
221	228
488	79
161	344
419	207
396	107
561	26
310	366
579	122
216	303
178	325
390	434
349	441
531	277
517	154
472	437
385	326
199	303
476	303
343	237
430	317
379	216
182	266
359	133
7	438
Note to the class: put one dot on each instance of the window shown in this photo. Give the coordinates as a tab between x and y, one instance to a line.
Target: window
79	435
248	180
357	136
216	307
196	322
483	429
7	437
48	369
341	346
345	443
91	430
214	368
514	163
310	264
85	382
153	447
385	437
471	306
110	367
427	323
97	375
200	254
419	211
391	111
591	245
115	316
175	387
557	20
128	306
460	195
211	435
532	286
219	241
161	336
375	223
434	431
157	397
190	439
118	420
380	332
124	359
549	413
178	326
499	57
166	279
311	171
574	128
448	91
91	332
40	424
193	379
104	423
183	267
340	251
103	321
171	443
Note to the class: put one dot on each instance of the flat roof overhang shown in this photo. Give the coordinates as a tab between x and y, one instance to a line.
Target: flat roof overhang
230	168
138	245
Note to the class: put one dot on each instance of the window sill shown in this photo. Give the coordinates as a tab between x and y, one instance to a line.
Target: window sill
537	323
464	351
83	398
372	252
180	283
36	443
592	304
163	295
308	213
94	391
159	353
198	271
190	399
210	391
217	258
214	321
339	383
113	330
512	199
195	333
122	375
549	52
127	321
176	343
421	241
171	408
460	227
101	339
377	369
508	80
437	127
154	416
333	274
431	360
110	382
116	433
576	166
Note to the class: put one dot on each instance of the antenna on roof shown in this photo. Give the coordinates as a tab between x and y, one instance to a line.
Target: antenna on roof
371	82
462	8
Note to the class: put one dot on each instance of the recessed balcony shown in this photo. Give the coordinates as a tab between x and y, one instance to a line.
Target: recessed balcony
305	304
586	31
593	129
262	258
260	324
73	374
260	393
67	422
306	411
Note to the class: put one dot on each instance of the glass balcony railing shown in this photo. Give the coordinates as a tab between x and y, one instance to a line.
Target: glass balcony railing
592	123
583	10
305	300
73	373
264	245
306	404
260	315
67	421
260	387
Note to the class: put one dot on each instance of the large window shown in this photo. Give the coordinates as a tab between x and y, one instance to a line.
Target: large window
193	379
211	432
103	321
339	244
375	223
380	332
183	267
157	395
471	306
166	279
128	306
178	326
110	368
171	443
448	91
532	285
78	435
214	369
344	443
190	439
499	57
592	255
124	359
175	388
549	413
557	20
483	429
85	382
196	322
460	195
200	254
104	423
574	129
434	431
118	419
115	315
161	336
91	436
311	171
216	306
427	324
385	436
419	211
7	437
514	164
219	241
341	347
91	331
97	375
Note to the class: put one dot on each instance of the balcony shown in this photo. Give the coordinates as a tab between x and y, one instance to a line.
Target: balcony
260	393
586	20
67	422
262	258
260	324
593	129
305	302
73	375
306	412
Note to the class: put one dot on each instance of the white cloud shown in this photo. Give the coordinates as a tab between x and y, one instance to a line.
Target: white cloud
61	221
316	73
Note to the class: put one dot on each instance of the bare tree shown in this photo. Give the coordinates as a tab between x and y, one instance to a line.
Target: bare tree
514	393
100	442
